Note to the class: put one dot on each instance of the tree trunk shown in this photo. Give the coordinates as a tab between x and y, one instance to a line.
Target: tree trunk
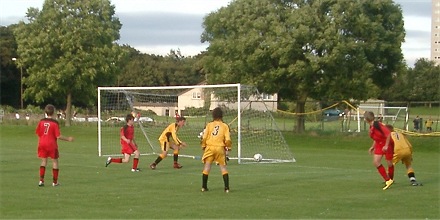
300	108
300	124
69	109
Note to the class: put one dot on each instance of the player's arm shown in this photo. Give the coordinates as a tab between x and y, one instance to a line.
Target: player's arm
371	150
61	137
206	131
387	142
228	142
176	140
134	142
122	134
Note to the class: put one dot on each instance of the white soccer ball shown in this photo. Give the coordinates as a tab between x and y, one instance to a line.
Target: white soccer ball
200	136
258	157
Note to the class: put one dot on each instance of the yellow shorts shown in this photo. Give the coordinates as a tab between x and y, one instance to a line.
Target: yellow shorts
214	154
165	146
404	156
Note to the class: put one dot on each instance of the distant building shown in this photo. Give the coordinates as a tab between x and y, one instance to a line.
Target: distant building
195	98
435	32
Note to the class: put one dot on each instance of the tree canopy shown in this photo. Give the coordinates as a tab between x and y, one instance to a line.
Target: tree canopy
154	70
10	74
69	48
325	50
420	83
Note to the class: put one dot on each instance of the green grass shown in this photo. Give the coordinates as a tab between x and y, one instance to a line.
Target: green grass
423	111
333	178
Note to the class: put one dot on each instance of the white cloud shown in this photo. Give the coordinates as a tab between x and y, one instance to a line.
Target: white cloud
175	6
416	23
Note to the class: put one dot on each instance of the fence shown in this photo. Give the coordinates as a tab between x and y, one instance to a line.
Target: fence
319	118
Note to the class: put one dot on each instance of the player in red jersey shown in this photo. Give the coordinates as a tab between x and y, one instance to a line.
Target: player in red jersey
128	145
48	132
381	147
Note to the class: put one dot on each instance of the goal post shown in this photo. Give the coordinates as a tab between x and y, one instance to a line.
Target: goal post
396	116
253	128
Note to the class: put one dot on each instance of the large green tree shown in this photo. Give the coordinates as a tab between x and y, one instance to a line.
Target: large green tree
69	49
320	49
419	83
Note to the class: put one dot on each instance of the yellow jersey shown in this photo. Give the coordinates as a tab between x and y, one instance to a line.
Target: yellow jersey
217	134
170	131
401	144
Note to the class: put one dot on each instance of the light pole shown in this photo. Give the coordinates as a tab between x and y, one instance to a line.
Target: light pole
21	83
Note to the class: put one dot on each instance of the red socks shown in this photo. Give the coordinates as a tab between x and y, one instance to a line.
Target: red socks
116	160
42	172
391	172
135	163
55	175
382	172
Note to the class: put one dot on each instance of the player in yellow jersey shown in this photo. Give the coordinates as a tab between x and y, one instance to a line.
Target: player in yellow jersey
176	144
403	152
216	142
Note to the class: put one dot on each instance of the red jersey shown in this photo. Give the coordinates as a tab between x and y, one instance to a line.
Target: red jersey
380	137
127	132
48	132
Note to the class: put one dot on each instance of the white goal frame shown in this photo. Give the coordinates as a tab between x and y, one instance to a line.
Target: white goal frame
238	87
385	115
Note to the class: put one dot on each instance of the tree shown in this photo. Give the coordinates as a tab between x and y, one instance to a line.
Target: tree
69	49
424	81
153	70
320	49
10	74
419	83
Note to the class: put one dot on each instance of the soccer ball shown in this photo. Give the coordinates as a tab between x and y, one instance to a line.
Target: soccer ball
258	157
200	136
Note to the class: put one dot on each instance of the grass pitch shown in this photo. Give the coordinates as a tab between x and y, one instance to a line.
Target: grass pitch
333	178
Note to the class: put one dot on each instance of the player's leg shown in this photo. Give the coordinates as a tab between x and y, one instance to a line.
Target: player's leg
175	148
42	171
389	159
126	149
113	160
205	174
164	146
207	159
378	164
410	171
225	176
55	172
135	161
126	158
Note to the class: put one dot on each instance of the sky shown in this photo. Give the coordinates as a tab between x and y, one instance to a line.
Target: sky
158	26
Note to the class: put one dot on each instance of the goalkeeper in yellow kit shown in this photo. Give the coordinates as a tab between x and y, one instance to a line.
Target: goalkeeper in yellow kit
216	142
403	152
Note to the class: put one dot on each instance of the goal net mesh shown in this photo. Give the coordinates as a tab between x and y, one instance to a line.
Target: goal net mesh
253	129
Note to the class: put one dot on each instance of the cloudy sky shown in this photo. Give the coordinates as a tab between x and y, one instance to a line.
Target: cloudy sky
157	26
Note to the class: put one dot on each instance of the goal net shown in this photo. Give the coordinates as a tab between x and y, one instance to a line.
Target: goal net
247	112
